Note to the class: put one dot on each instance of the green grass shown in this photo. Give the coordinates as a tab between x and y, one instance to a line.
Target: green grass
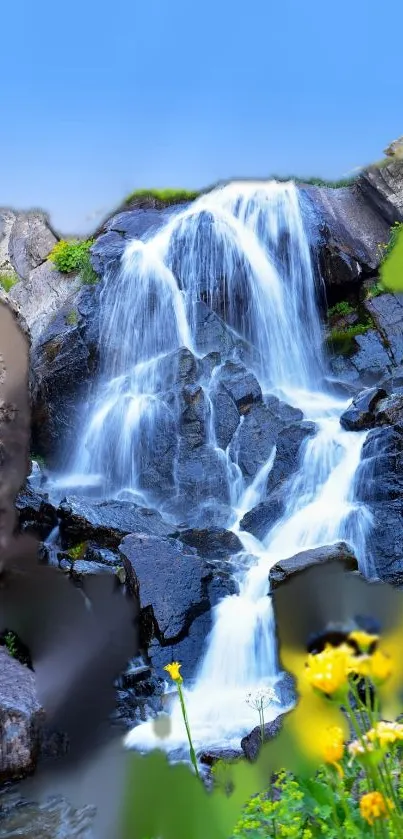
73	256
8	279
342	340
72	318
165	196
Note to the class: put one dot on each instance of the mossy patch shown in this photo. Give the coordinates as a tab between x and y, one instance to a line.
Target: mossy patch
342	340
72	318
163	196
8	279
78	551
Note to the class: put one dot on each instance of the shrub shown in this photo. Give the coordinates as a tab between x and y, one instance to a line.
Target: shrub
342	308
73	255
166	196
8	279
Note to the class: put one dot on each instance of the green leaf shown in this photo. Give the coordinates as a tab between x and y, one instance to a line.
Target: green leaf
391	270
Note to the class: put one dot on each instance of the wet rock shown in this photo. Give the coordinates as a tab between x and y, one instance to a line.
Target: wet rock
21	718
386	311
360	414
368	360
211	333
93	553
251	744
195	416
390	411
259	433
177	590
53	818
212	544
83	568
281	571
289	452
240	384
64	362
106	522
30	242
201	474
210	757
35	512
260	519
226	417
179	368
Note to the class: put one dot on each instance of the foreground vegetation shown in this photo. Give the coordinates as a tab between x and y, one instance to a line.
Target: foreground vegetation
73	256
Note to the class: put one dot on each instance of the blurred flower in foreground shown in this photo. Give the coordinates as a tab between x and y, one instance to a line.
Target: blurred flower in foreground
373	806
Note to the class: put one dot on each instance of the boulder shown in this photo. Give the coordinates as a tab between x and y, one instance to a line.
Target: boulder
367	361
395	149
31	240
240	384
360	414
54	818
36	514
251	744
259	432
21	718
389	411
211	333
260	519
289	452
383	189
212	544
41	295
106	522
225	416
286	568
201	476
177	590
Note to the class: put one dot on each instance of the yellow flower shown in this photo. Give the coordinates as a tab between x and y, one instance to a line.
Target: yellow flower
328	671
332	744
385	732
173	670
381	667
364	639
374	806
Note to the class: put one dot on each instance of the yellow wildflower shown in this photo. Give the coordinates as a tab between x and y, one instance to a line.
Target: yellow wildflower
364	639
381	667
374	806
332	743
328	671
385	732
173	670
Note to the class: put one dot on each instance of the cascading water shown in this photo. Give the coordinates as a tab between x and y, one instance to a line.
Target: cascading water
242	251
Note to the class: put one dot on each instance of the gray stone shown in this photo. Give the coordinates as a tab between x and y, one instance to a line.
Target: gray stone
286	568
21	718
387	312
30	242
361	413
226	417
241	385
289	452
259	433
251	744
390	411
212	544
41	295
383	189
106	522
260	519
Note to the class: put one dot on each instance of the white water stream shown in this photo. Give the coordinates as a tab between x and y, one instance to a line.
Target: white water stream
243	250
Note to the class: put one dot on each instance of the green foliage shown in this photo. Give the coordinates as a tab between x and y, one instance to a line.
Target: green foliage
166	196
391	268
10	641
38	459
72	318
339	336
8	279
313	181
342	308
73	255
375	291
78	551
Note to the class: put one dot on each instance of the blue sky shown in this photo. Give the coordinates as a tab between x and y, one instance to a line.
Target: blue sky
97	100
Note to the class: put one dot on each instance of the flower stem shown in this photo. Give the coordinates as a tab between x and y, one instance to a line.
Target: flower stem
191	749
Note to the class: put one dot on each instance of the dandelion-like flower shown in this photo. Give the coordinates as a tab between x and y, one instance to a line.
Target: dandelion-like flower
385	733
328	671
332	746
173	670
374	806
262	698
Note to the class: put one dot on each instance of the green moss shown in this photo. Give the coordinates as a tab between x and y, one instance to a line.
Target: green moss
72	318
165	196
78	551
8	279
342	340
375	291
342	308
73	256
314	181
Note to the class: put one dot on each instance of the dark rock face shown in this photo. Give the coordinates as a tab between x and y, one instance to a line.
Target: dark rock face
64	363
281	571
21	718
259	433
252	742
390	411
260	519
241	385
36	513
56	819
386	310
177	590
212	544
289	447
379	484
107	522
360	414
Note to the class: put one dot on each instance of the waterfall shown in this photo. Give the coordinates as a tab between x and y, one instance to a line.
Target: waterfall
242	251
